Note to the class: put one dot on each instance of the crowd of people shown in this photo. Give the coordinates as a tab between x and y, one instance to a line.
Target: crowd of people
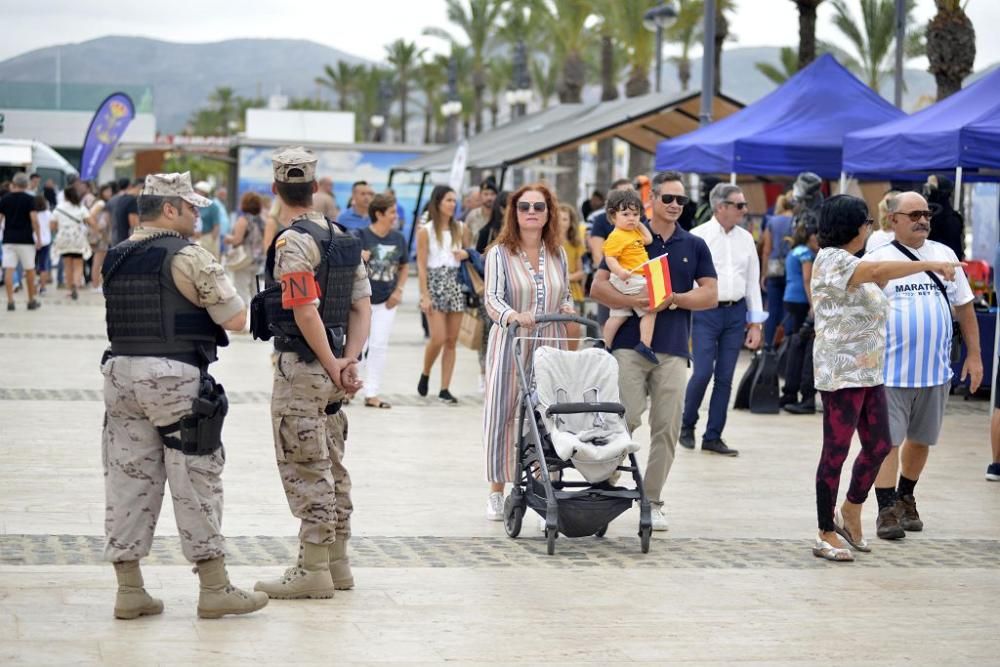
872	324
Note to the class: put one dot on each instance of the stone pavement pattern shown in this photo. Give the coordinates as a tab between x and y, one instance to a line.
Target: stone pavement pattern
732	581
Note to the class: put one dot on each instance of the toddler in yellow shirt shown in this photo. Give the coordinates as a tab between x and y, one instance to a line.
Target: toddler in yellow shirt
625	252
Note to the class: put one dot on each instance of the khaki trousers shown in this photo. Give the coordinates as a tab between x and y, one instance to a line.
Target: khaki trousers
664	386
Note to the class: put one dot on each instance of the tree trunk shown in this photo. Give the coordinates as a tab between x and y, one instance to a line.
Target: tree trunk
479	87
721	33
684	72
428	120
639	161
609	91
807	31
951	50
403	116
570	92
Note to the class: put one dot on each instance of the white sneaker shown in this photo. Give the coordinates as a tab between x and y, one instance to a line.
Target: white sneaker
659	519
494	507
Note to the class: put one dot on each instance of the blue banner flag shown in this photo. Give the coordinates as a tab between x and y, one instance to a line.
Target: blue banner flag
106	128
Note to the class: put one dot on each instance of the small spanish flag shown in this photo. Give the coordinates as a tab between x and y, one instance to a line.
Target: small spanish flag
657	273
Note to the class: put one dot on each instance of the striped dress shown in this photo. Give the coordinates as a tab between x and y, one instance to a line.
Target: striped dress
512	287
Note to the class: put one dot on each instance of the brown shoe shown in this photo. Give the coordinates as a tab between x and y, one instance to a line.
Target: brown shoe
887	525
909	517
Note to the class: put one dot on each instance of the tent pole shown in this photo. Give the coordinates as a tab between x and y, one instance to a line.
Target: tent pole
503	177
958	189
392	172
843	182
416	208
732	178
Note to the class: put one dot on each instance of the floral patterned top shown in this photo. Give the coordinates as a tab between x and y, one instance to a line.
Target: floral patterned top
849	350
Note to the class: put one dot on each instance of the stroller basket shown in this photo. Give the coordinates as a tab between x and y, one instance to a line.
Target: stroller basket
583	513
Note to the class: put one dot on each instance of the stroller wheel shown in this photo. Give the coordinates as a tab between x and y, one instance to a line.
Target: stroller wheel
513	514
645	533
550	537
601	531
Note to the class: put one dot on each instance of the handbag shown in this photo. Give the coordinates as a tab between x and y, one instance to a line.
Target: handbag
475	279
956	331
237	258
470	334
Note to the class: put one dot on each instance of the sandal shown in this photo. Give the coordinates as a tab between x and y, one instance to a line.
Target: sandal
838	525
377	403
824	549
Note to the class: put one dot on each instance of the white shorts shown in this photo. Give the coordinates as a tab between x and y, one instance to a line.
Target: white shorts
23	253
631	287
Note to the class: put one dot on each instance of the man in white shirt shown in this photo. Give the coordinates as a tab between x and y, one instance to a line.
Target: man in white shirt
718	334
918	359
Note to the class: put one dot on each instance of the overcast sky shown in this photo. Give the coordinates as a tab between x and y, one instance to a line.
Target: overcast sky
364	27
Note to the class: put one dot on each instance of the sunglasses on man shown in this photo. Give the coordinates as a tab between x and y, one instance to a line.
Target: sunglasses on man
741	205
670	199
915	216
525	206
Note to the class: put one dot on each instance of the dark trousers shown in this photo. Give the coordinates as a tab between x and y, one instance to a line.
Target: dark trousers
799	367
775	288
716	340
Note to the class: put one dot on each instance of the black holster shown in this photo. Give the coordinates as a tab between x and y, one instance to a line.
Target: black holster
199	433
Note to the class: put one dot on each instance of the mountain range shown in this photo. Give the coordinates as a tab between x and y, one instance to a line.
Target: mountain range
183	75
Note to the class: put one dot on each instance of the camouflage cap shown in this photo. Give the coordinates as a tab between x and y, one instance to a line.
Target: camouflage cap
294	164
174	185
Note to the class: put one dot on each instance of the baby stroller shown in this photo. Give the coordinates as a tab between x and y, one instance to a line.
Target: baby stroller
571	419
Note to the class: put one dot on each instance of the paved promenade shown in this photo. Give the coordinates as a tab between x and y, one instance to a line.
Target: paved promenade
732	581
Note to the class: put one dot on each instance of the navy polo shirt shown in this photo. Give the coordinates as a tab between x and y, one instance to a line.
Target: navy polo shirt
690	260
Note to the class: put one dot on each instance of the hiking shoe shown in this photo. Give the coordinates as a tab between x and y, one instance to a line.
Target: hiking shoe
887	525
217	597
422	385
311	579
909	517
659	519
132	600
34	305
340	565
687	438
494	506
445	397
10	305
647	353
992	470
718	446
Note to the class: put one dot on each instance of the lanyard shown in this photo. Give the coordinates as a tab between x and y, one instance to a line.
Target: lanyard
539	278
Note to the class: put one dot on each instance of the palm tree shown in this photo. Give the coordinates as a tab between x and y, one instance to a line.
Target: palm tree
224	100
874	40
477	21
951	46
807	31
641	44
609	10
721	35
404	56
371	86
499	76
545	76
789	66
343	81
431	78
686	31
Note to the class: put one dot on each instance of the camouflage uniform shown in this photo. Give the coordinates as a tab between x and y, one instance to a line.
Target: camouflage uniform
141	393
309	444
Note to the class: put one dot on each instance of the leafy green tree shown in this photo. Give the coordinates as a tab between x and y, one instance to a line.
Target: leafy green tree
873	38
431	78
343	81
405	57
368	100
951	46
686	31
545	77
789	65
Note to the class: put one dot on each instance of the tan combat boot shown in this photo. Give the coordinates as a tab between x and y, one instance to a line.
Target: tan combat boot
340	565
133	601
309	580
218	597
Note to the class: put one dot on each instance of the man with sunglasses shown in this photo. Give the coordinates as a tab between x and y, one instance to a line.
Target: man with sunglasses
693	278
719	334
918	347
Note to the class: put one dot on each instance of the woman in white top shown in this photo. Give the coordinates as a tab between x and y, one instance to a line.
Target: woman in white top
71	243
439	254
43	263
884	234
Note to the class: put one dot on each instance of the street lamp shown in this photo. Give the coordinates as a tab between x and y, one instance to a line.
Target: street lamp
657	20
453	106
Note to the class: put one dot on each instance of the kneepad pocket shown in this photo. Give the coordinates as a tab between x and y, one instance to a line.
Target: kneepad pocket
299	439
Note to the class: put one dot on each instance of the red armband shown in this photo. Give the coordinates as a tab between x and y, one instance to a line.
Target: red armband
298	289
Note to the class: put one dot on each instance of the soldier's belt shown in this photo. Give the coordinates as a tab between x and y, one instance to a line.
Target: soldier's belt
332	408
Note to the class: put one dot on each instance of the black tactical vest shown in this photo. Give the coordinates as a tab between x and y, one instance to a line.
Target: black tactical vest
146	315
341	254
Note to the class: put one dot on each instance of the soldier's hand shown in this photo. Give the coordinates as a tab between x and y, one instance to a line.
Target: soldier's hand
337	372
350	382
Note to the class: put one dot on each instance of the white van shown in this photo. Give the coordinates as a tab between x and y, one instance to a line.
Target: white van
33	157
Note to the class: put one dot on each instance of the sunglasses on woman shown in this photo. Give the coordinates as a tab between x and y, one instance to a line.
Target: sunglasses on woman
525	206
670	199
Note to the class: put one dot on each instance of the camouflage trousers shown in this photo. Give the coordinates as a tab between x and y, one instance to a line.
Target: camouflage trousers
141	393
309	446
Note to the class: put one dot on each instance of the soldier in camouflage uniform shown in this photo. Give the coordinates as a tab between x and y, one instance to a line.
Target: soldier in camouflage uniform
157	281
315	371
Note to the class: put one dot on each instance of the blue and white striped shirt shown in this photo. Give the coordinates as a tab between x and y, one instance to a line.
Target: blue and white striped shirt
919	326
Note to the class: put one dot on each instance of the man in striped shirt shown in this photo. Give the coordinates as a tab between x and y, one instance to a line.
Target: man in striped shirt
918	359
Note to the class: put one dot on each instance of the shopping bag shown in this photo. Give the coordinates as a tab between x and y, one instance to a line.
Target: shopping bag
470	334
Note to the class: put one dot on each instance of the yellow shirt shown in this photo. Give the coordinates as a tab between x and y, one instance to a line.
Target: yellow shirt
627	247
573	255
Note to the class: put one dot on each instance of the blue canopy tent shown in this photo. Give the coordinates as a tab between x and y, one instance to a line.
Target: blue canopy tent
798	127
959	132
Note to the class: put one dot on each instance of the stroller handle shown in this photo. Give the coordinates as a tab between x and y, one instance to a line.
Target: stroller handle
512	327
